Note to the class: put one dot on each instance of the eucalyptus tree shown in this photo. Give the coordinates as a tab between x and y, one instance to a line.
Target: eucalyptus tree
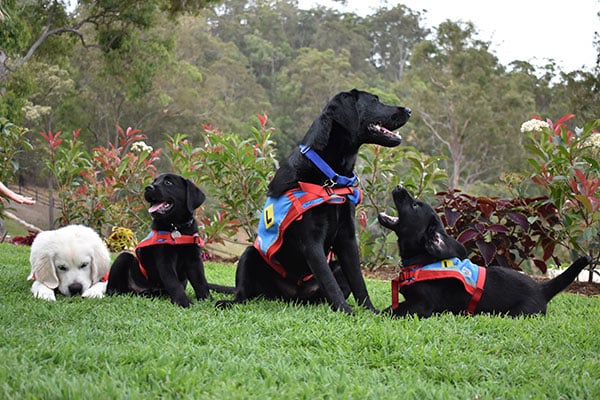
47	30
393	33
343	32
464	104
304	87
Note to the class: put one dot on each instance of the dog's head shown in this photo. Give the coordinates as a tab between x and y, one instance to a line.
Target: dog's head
70	259
421	234
358	117
173	198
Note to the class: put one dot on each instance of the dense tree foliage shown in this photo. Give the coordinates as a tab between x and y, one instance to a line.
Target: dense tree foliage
169	66
460	93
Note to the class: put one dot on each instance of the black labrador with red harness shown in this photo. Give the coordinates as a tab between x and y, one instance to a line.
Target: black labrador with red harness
171	254
309	213
437	278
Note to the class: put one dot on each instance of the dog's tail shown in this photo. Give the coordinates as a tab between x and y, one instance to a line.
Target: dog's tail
559	283
221	288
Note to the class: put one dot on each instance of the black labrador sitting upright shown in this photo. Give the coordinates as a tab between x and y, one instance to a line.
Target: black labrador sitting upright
436	277
170	255
309	213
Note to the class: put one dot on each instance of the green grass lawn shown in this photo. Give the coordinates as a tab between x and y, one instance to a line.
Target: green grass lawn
139	348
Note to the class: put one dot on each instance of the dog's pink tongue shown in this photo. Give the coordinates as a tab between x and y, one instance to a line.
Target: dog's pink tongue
156	207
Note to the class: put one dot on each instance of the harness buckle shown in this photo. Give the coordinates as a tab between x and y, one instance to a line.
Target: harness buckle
404	276
329	183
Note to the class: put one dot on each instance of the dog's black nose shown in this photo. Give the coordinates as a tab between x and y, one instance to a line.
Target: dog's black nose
408	110
75	288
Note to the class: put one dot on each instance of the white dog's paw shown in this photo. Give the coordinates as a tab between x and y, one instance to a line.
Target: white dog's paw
42	291
95	291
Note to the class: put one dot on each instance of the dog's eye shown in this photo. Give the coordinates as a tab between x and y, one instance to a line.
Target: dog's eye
416	205
61	267
168	182
84	265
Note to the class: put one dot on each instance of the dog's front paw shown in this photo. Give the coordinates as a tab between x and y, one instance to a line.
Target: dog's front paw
203	294
345	308
95	291
182	301
223	304
371	308
207	297
42	291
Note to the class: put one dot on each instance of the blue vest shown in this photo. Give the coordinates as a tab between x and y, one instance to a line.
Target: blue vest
472	277
278	213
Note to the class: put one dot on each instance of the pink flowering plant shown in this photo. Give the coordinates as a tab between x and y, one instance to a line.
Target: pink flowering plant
234	171
103	188
118	177
567	169
185	158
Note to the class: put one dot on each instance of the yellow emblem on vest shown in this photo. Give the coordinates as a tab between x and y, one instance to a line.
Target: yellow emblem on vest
447	263
269	216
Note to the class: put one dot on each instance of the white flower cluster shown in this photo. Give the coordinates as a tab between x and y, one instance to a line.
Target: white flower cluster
141	147
533	125
594	140
35	112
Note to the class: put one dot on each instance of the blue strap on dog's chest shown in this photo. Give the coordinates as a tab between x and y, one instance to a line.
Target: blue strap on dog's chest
333	177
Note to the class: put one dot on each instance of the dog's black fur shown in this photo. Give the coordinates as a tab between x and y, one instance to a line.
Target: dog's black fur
423	240
347	122
174	200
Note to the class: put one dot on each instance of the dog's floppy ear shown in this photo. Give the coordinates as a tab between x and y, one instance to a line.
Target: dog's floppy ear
440	245
336	110
43	270
344	110
100	262
195	197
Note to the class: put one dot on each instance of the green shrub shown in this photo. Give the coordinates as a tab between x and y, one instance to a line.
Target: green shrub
567	169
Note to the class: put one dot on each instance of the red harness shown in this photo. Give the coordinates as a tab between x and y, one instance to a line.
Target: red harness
165	238
299	200
441	270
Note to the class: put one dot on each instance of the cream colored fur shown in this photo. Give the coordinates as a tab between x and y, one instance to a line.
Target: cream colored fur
67	258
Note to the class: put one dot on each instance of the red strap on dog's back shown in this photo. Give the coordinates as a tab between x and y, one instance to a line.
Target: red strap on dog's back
404	276
418	273
395	290
165	237
477	293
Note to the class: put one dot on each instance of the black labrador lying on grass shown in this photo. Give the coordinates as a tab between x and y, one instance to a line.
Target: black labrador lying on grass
170	255
316	184
436	278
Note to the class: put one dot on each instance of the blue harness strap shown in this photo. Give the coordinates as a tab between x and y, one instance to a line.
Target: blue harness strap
334	178
278	213
472	276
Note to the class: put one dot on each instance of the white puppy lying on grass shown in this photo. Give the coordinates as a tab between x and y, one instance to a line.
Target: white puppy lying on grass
72	260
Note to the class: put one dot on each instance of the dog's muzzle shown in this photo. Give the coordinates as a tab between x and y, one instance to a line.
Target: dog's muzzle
75	289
